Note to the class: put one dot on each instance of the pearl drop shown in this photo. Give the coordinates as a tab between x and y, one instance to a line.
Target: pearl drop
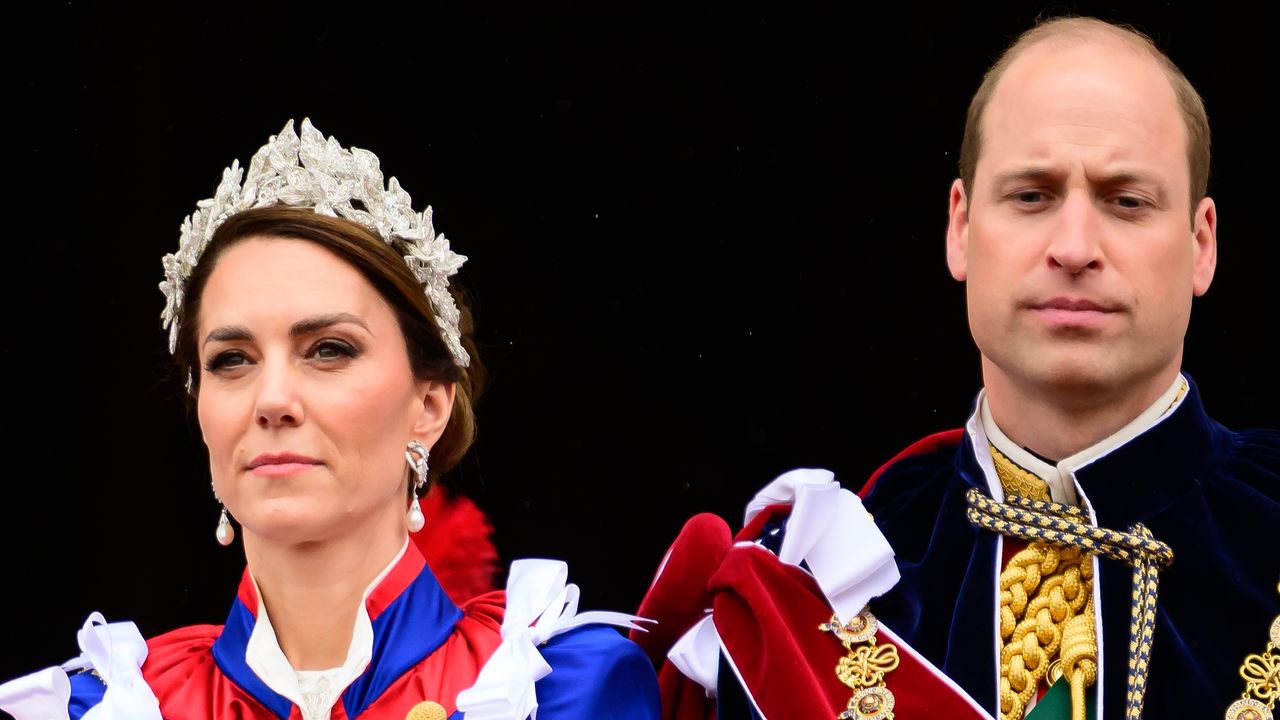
416	519
225	533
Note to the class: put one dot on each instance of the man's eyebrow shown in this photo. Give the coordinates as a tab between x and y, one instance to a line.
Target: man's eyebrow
1122	178
1118	178
233	333
1031	172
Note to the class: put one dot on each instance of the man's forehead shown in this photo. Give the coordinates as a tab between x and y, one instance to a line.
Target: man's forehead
1073	73
1109	103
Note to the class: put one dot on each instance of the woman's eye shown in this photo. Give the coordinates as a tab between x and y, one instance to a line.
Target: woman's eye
226	361
332	350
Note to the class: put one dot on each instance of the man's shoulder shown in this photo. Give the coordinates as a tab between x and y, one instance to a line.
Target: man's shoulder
925	462
1258	444
1253	460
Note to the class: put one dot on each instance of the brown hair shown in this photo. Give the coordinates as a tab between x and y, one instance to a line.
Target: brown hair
1091	29
387	271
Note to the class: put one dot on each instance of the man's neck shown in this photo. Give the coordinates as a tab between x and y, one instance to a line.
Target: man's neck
1059	422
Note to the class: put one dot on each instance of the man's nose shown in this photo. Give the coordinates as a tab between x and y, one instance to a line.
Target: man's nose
1075	244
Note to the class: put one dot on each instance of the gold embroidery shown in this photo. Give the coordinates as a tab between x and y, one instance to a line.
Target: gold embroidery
1182	390
1017	481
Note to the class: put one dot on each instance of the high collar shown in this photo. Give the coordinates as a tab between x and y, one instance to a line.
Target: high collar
406	594
1128	480
1059	477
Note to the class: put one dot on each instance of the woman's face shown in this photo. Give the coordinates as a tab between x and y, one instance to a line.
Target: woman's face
306	396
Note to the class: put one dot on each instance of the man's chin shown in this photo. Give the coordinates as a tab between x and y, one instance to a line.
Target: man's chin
1073	372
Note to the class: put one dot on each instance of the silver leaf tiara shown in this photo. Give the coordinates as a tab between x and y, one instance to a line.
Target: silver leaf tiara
313	172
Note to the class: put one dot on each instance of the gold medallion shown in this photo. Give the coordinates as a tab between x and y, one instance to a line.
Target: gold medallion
873	703
1248	710
861	628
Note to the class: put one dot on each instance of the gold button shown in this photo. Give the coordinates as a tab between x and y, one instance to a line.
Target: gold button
426	710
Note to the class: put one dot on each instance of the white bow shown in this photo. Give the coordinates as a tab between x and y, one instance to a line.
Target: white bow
115	652
834	535
540	606
697	654
41	695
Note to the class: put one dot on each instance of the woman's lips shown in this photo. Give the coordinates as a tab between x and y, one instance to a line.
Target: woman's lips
286	469
281	464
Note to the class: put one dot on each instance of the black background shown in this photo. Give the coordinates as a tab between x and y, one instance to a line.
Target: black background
706	247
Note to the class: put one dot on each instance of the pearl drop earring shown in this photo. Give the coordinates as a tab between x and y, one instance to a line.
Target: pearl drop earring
416	456
225	533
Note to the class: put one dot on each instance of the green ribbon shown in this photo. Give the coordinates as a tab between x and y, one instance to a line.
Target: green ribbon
1056	704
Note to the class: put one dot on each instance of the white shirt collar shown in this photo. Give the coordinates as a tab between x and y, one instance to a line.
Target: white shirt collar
1061	477
322	688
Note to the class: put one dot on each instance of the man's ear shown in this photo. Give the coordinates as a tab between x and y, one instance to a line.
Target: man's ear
1204	233
958	232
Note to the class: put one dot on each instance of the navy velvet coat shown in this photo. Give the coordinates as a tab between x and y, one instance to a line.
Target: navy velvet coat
1210	493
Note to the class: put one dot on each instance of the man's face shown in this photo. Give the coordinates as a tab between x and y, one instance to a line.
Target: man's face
1077	244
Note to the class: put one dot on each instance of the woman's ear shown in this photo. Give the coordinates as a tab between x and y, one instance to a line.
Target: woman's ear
436	397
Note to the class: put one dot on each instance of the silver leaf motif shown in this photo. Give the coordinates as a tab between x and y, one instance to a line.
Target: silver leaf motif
310	171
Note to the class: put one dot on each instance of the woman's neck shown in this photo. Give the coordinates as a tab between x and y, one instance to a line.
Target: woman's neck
312	591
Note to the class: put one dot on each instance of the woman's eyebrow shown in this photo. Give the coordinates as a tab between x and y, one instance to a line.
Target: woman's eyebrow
233	333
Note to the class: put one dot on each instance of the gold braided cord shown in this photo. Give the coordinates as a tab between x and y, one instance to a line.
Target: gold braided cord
1142	627
1034	629
1061	525
1080	656
1030	520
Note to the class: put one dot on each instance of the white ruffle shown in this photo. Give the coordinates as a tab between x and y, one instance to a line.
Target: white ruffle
540	606
115	652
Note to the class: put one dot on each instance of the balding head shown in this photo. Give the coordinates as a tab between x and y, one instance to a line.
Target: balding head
1069	31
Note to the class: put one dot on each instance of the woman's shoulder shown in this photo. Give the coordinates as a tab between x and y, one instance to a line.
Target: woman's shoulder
557	662
116	668
602	647
180	656
179	671
596	672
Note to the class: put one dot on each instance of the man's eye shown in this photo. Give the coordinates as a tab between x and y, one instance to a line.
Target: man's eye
1029	197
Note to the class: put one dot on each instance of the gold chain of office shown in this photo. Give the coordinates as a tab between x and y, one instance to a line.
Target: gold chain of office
1261	675
864	667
